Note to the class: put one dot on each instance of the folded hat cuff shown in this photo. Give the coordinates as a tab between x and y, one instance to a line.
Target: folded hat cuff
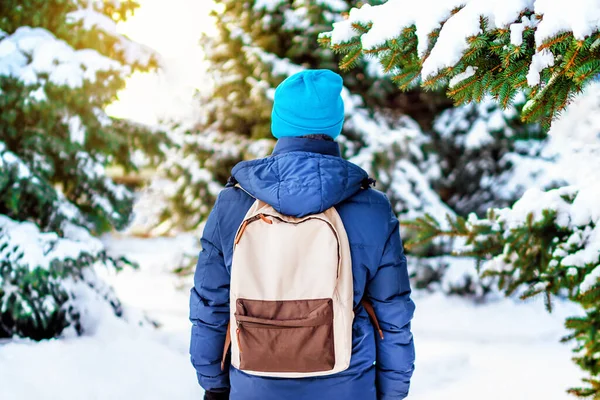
281	127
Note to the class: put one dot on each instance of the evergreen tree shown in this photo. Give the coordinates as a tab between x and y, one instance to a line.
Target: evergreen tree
259	43
541	48
547	242
479	148
61	63
383	133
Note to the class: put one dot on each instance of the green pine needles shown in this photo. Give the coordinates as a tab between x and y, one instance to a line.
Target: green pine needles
62	62
546	244
494	59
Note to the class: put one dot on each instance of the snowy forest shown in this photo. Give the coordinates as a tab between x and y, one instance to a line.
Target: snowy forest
120	122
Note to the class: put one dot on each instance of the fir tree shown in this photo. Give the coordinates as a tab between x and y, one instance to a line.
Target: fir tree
260	43
479	49
478	148
547	242
61	63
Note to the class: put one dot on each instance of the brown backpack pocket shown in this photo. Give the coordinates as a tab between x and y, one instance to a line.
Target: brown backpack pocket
285	336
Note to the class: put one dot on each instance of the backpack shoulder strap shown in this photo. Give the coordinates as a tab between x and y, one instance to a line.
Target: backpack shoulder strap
233	183
261	203
237	185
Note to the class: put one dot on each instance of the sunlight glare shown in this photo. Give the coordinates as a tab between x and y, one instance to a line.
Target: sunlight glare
174	30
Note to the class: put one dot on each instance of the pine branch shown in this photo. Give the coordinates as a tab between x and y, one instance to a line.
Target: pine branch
376	50
350	59
509	74
558	39
570	61
391	62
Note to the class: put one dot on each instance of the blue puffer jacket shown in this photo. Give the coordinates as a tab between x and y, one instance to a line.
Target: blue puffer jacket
306	176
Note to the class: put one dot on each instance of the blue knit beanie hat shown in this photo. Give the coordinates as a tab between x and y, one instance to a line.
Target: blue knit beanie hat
308	102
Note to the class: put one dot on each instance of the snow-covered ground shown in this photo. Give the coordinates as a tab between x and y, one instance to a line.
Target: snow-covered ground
501	350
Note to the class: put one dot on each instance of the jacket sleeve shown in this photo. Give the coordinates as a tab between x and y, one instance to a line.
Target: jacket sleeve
209	308
389	292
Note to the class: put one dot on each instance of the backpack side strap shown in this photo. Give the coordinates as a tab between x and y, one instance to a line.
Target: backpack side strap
226	347
371	311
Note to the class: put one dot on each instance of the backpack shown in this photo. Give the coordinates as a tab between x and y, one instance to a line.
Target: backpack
291	295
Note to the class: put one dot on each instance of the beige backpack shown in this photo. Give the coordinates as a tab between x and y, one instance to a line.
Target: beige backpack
291	295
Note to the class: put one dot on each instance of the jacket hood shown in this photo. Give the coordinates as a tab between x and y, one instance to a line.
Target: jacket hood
298	182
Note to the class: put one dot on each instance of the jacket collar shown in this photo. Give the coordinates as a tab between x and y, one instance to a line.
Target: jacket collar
288	144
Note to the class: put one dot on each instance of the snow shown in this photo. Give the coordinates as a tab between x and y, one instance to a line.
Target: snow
92	19
30	52
296	19
452	43
399	142
389	19
121	364
135	53
267	5
577	211
459	273
155	290
168	94
571	153
8	159
582	17
539	62
591	279
517	29
95	172
463	349
335	5
574	143
451	275
491	118
116	360
40	249
469	72
38	95
76	130
270	6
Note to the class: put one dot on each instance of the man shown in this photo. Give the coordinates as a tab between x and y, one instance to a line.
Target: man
305	175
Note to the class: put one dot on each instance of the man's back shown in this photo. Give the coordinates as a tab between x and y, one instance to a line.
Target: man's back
303	177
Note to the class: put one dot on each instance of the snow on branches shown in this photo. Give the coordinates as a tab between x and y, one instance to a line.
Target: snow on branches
30	54
573	215
61	63
38	271
134	53
44	248
500	47
547	243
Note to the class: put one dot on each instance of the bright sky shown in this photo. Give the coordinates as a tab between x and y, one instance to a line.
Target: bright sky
173	29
